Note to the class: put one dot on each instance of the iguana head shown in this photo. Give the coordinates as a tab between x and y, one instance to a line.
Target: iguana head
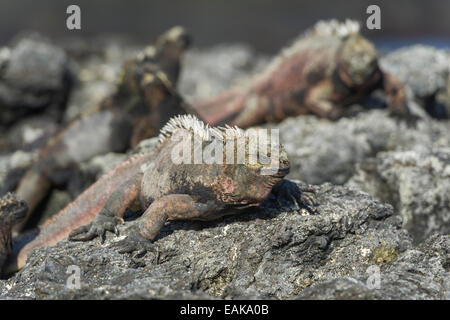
158	62
176	38
357	60
234	165
254	181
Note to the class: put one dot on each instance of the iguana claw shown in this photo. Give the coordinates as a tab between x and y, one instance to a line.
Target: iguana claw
96	228
134	243
288	193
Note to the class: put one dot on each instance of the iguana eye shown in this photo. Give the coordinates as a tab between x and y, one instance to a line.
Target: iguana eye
263	159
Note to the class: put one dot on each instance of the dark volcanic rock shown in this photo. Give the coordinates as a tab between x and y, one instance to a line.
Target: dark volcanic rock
28	81
416	183
267	252
419	273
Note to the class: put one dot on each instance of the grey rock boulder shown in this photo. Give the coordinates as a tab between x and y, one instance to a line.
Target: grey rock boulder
28	81
416	183
418	274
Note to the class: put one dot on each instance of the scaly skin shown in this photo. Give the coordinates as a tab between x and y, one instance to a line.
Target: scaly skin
323	72
164	190
144	101
12	211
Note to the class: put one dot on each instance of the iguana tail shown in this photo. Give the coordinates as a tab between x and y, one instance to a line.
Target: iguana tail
222	109
78	213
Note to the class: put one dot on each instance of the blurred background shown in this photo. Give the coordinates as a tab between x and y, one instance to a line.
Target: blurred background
265	25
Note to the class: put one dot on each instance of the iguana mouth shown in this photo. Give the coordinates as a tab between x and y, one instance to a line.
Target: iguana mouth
281	172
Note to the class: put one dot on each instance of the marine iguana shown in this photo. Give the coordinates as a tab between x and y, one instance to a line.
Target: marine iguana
324	71
144	100
167	190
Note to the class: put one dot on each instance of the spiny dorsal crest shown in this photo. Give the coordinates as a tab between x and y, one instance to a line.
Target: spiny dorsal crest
199	128
335	28
329	28
173	34
151	51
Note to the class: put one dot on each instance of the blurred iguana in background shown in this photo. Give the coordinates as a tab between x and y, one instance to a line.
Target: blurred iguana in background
144	100
329	68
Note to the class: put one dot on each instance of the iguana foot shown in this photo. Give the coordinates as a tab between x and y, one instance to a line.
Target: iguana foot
134	243
308	199
96	228
411	120
288	193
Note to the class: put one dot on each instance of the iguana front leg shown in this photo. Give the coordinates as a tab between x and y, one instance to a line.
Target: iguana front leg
396	95
318	101
111	214
169	207
397	99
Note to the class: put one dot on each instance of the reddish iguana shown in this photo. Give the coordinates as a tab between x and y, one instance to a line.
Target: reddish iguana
144	101
167	190
327	69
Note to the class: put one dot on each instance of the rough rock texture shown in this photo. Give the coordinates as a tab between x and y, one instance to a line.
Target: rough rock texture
419	273
12	167
324	151
28	81
267	252
416	183
30	132
97	74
